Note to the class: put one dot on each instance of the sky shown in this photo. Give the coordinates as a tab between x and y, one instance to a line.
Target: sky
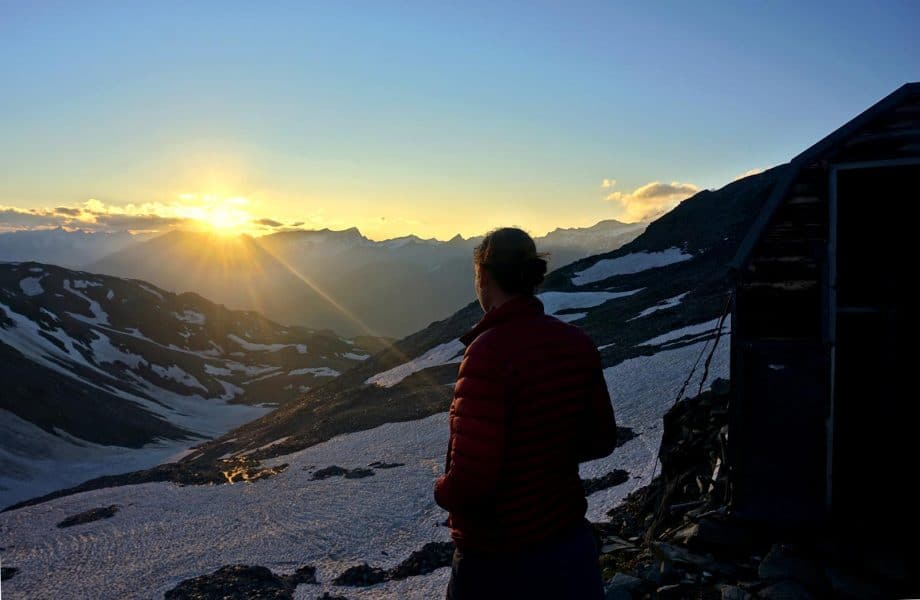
426	118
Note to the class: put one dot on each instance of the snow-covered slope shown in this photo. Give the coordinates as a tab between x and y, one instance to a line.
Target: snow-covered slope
105	375
163	533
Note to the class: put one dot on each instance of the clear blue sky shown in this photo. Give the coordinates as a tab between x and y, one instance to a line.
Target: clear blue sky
429	118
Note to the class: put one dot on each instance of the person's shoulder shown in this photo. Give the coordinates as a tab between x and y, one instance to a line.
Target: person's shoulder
570	330
486	343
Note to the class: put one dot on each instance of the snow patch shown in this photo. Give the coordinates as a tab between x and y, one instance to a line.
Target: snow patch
50	314
553	302
150	290
212	370
268	445
690	330
99	316
263	377
663	305
105	352
441	354
31	286
301	348
629	263
82	284
316	372
175	373
190	316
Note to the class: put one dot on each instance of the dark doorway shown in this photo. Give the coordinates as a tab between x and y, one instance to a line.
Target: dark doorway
874	436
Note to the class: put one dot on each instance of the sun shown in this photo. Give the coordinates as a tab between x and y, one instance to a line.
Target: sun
227	220
225	216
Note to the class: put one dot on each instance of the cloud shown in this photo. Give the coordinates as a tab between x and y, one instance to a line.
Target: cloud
749	172
186	210
658	190
73	212
122	222
92	216
651	200
12	218
608	183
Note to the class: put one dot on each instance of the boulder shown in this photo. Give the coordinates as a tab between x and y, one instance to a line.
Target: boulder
785	590
361	575
676	554
622	587
783	562
733	592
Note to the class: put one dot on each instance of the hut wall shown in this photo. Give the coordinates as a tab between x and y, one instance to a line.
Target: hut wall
821	414
780	359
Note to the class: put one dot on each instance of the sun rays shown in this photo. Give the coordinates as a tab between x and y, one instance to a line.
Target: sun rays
225	216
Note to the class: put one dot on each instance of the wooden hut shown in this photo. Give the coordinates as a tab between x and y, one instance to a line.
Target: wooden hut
821	413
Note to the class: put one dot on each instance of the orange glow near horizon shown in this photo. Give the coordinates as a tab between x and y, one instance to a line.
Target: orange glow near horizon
229	210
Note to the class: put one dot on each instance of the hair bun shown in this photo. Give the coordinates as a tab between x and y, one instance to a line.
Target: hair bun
510	254
533	270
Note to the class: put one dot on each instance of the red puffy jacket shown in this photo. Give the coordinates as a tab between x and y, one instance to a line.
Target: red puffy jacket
529	404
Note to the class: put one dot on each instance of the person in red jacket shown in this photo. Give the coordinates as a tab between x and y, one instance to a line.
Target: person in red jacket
530	403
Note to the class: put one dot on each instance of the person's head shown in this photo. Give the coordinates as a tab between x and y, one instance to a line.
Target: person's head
506	264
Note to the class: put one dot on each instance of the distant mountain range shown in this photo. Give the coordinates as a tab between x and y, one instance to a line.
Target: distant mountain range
61	247
94	366
339	280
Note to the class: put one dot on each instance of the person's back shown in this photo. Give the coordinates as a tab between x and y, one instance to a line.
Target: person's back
529	404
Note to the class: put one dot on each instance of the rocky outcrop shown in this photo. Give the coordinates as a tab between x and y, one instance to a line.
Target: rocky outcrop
430	557
676	537
385	465
356	473
253	581
87	516
337	471
242	581
231	470
611	479
361	575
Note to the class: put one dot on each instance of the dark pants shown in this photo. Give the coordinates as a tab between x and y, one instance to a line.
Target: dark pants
565	567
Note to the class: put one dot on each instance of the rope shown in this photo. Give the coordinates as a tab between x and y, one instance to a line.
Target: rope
728	303
683	388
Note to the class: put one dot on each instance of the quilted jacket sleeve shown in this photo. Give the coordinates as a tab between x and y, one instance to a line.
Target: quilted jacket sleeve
598	435
478	430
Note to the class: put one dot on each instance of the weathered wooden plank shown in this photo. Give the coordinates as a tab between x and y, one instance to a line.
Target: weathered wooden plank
801	284
799	200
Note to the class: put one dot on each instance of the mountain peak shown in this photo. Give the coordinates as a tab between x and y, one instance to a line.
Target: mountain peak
351	233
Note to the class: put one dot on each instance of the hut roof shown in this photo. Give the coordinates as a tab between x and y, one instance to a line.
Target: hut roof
815	152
